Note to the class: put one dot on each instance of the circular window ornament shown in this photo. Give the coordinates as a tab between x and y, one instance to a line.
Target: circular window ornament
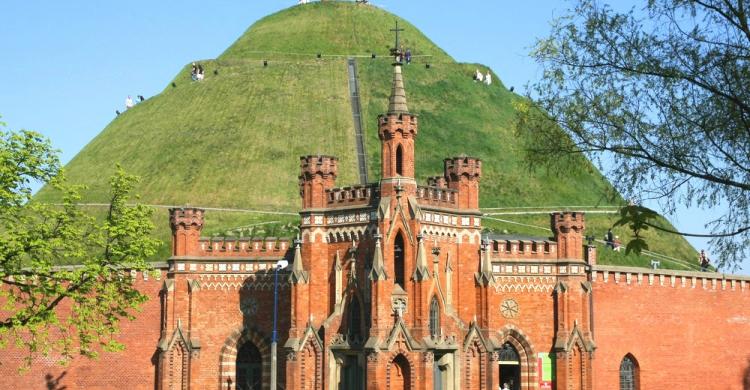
248	306
509	308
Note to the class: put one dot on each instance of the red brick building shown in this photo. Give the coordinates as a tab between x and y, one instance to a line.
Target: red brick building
393	286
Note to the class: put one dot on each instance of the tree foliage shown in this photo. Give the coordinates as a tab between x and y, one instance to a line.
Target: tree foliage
658	96
64	273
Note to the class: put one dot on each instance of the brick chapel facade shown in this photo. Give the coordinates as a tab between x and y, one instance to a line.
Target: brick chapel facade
392	285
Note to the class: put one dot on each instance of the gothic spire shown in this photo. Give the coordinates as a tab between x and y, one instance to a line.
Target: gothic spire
397	101
378	265
298	274
484	277
421	272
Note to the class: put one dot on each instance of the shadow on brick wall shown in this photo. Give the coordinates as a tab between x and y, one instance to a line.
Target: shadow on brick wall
55	383
746	376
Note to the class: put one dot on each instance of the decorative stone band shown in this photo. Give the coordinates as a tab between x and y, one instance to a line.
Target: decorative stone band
500	268
669	278
218	265
449	219
156	274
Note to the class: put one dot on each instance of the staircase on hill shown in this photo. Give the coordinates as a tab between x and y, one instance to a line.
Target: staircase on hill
357	116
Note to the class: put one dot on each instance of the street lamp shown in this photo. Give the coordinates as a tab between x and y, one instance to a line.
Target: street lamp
281	264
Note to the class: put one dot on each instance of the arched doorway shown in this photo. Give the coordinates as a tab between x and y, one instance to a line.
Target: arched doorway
249	367
510	367
400	374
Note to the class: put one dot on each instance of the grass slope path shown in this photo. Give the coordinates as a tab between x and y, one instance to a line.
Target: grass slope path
234	139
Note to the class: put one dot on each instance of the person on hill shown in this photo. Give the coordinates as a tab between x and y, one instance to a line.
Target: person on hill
704	261
194	72
128	103
141	98
609	239
408	56
200	73
617	244
478	76
488	78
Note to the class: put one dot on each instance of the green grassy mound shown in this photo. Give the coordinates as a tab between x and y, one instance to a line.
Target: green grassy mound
234	139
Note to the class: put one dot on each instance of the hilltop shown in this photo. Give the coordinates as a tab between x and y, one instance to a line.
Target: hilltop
234	139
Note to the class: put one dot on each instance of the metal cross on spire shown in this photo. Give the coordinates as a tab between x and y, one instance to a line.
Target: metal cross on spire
396	49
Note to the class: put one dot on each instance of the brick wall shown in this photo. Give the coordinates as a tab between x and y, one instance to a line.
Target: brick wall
682	335
134	368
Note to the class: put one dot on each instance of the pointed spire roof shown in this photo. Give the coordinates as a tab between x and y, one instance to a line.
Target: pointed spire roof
397	101
421	272
484	277
298	274
378	265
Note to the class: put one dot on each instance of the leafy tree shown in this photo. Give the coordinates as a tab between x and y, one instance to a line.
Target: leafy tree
658	97
64	280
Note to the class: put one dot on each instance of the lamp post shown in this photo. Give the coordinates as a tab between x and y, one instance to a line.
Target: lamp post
281	264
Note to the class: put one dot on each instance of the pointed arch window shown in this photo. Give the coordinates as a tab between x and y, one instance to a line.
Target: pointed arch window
400	161
355	318
508	355
628	373
434	317
398	261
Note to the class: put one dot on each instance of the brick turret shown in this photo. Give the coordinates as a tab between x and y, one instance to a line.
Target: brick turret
397	130
462	174
317	174
186	224
568	229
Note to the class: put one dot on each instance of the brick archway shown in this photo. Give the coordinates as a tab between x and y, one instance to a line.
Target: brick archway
526	354
228	357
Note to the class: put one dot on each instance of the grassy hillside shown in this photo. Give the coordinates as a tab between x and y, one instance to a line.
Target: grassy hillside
234	139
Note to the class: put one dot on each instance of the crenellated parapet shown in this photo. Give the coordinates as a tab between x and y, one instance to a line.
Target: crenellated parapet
186	218
243	247
350	196
437	181
186	224
317	165
645	277
470	167
317	174
463	174
565	222
405	124
568	228
523	248
437	196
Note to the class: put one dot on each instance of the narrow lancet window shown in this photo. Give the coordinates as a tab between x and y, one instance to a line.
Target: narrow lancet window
399	161
398	261
434	317
628	373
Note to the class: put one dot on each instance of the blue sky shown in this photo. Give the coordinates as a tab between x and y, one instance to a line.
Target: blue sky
67	66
